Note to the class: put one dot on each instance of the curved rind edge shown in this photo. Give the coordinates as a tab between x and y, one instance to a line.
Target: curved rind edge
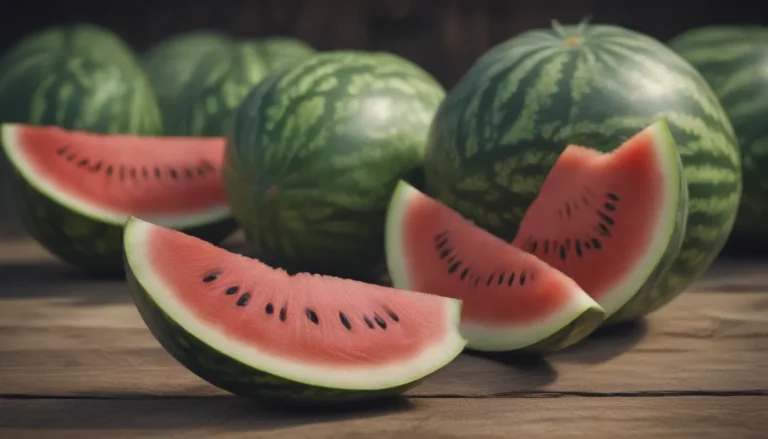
673	227
580	317
278	379
10	145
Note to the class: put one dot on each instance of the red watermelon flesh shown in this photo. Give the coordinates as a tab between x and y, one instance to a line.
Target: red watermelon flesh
511	299
170	180
608	219
304	327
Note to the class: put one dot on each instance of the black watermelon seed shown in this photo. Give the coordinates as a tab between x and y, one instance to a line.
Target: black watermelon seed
243	300
110	170
603	229
188	173
70	157
606	218
612	196
82	163
201	172
368	322
578	248
533	246
445	253
609	206
231	290
490	279
392	315
61	151
440	236
546	246
158	173
455	266
511	279
145	172
312	316
522	278
441	244
464	273
587	245
174	174
345	321
269	309
96	167
133	173
562	252
379	321
501	278
596	244
283	314
211	276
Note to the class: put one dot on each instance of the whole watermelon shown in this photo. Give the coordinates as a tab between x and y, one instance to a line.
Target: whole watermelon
316	151
77	77
218	77
502	127
734	61
170	64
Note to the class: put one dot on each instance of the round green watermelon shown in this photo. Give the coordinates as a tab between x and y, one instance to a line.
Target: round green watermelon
734	61
500	130
316	152
281	51
76	77
171	63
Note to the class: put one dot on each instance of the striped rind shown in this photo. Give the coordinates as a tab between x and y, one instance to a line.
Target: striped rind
502	127
317	150
171	63
219	82
733	61
77	78
246	370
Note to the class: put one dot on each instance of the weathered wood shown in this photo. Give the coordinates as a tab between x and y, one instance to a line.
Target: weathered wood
227	417
66	335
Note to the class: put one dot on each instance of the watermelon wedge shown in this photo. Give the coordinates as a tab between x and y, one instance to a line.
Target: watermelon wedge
613	222
76	189
511	299
259	332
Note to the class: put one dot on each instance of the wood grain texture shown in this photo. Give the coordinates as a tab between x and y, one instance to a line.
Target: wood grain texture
551	418
77	361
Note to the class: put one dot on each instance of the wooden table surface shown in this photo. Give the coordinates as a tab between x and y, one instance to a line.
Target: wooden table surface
77	361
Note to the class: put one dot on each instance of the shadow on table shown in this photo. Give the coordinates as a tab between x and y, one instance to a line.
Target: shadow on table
35	280
229	412
604	344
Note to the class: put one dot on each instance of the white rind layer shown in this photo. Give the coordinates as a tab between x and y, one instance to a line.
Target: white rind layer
48	188
671	166
364	377
479	336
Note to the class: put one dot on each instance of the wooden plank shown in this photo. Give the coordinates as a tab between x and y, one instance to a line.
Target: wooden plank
740	417
87	339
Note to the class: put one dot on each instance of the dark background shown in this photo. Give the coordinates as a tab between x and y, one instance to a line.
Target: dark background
444	37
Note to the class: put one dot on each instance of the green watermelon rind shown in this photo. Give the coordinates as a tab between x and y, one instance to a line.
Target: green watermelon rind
575	321
731	58
278	380
75	233
311	165
525	88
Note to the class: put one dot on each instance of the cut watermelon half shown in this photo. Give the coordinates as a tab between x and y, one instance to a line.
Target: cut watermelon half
511	299
259	332
75	189
611	221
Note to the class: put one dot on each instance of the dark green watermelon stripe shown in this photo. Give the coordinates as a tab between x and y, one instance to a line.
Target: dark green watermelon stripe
310	134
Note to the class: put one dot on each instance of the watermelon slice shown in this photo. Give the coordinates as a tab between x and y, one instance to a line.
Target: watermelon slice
259	332
511	299
612	221
75	189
